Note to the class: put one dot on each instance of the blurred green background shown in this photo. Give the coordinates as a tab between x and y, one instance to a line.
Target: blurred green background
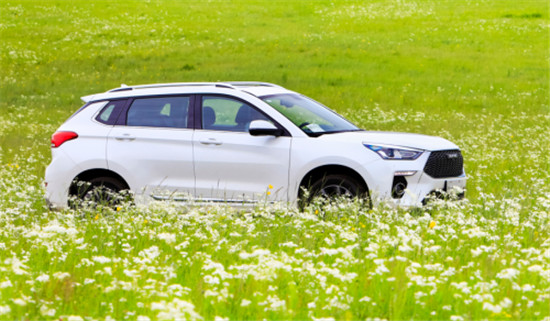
476	72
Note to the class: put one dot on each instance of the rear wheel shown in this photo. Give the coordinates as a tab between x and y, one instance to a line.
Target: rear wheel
102	191
331	187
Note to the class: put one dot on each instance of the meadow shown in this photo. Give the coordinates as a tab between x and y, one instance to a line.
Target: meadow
474	72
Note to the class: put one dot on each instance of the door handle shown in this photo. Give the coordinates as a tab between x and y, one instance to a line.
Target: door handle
125	137
210	141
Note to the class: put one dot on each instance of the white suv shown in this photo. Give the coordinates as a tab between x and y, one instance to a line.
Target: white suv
238	143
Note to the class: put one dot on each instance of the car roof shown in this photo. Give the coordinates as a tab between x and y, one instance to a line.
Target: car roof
251	87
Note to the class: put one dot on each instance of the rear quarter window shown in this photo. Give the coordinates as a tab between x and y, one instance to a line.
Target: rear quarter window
89	104
109	114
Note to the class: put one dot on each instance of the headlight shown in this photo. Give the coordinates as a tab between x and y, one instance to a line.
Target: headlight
395	152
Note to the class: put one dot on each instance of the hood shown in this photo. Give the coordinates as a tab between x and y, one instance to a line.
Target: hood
425	142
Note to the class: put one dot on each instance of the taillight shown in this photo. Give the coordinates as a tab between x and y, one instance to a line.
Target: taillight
59	138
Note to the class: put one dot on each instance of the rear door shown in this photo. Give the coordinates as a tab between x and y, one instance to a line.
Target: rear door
232	166
151	146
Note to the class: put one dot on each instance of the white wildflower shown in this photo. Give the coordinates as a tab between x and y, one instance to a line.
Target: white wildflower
245	303
405	248
150	253
289	244
101	259
130	273
330	241
43	278
167	237
47	312
509	274
506	303
158	305
209	279
17	266
108	270
527	288
463	286
55	228
275	303
5	284
401	259
380	268
476	252
4	309
176	309
182	245
89	281
492	308
418	295
535	268
475	232
61	275
258	252
209	292
329	252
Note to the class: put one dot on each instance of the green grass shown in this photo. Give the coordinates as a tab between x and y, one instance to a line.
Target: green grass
475	72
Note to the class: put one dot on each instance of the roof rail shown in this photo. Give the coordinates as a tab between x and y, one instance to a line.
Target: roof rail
251	83
228	84
173	84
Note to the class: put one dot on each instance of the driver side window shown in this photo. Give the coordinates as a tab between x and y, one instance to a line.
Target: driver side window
227	114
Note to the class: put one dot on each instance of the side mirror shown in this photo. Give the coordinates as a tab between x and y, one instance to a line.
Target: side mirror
263	128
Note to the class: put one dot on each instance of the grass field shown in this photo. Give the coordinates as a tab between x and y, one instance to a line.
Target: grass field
475	72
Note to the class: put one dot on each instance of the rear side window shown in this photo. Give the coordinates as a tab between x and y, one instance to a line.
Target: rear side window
109	114
159	112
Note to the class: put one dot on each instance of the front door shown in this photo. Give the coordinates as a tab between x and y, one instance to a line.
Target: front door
232	166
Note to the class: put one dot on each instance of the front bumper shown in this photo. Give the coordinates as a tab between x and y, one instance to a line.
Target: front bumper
421	186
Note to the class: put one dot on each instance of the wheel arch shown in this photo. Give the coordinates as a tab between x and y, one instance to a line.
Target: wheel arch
93	173
318	173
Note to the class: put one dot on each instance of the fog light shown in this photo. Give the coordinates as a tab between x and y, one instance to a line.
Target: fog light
405	173
398	187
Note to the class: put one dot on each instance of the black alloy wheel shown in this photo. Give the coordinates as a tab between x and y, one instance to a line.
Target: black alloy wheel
332	187
98	191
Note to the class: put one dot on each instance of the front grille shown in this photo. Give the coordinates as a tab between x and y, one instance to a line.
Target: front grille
446	163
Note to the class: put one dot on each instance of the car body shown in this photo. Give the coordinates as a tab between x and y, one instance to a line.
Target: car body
239	143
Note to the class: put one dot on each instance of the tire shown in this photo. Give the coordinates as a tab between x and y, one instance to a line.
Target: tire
331	187
104	191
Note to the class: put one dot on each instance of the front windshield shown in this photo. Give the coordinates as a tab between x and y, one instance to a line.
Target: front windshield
310	116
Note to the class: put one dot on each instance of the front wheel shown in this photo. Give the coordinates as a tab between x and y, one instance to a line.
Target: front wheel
331	187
